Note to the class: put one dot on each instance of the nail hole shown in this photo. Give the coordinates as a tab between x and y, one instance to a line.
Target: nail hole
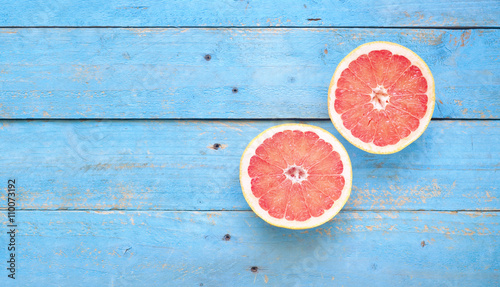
217	146
227	237
235	90
208	57
254	269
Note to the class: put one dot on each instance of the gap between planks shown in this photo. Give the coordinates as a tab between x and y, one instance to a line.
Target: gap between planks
211	119
249	210
260	27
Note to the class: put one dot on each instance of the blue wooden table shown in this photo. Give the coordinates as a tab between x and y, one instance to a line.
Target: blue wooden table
123	122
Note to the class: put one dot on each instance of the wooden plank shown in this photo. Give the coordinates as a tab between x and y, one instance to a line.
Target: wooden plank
357	13
172	165
279	73
61	248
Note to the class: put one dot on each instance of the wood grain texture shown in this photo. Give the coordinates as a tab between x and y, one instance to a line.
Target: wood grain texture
172	165
320	13
187	249
278	73
136	201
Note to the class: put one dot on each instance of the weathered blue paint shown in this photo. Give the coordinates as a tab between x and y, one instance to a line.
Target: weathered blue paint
172	165
357	13
62	248
279	73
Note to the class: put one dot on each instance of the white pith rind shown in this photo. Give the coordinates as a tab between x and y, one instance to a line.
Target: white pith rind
253	201
398	50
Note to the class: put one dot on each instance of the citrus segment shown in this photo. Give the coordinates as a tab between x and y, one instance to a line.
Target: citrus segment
259	167
262	184
295	176
331	185
331	164
381	97
349	99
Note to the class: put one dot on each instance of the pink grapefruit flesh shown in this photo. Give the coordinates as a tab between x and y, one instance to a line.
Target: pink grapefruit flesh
295	176
381	97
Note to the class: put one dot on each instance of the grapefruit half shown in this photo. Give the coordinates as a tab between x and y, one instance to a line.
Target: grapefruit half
295	176
381	97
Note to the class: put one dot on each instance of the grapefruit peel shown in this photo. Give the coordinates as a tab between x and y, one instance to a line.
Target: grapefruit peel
395	49
253	201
